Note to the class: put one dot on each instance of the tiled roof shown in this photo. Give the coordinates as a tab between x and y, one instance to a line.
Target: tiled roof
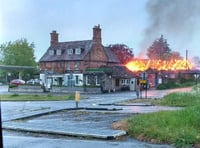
111	56
64	46
122	72
86	45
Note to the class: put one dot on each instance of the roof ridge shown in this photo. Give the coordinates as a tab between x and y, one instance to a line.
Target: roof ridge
75	41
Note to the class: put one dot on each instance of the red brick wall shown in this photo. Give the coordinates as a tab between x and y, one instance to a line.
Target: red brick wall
61	68
96	57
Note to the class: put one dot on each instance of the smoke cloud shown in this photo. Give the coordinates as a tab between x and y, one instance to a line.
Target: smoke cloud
177	20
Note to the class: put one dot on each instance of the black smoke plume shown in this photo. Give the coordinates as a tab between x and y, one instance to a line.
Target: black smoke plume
177	20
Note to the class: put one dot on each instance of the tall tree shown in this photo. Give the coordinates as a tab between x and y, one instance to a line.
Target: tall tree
18	53
122	52
160	50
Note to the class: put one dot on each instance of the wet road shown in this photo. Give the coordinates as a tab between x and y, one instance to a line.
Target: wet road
12	110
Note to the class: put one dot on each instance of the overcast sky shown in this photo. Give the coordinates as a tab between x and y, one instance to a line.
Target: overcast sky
122	21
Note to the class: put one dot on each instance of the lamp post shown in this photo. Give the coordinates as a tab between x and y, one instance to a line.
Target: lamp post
1	134
196	75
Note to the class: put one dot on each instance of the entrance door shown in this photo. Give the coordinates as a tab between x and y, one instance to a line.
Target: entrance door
132	84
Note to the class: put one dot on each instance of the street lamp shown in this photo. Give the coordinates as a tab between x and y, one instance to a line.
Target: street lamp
196	75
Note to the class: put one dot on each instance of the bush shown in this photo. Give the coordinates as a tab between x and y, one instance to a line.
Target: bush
14	95
168	85
12	85
161	87
125	88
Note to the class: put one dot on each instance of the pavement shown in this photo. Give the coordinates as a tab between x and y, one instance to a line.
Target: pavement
92	119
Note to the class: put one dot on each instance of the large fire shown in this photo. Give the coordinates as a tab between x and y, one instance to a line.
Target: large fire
173	65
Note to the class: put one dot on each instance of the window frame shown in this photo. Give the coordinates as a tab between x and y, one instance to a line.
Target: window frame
58	52
77	51
70	51
51	52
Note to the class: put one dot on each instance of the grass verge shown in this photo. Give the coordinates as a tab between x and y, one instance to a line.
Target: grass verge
27	97
179	99
180	128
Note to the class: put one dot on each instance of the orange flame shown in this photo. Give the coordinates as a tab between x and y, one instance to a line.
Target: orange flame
142	65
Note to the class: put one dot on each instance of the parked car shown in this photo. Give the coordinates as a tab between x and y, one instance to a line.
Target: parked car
17	82
34	81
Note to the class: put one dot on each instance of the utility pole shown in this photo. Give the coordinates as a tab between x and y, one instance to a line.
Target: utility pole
186	57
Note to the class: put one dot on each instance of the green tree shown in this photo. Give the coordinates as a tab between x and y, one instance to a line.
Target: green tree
122	52
160	50
18	53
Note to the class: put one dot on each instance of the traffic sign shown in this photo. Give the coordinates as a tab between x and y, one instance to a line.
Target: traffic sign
143	81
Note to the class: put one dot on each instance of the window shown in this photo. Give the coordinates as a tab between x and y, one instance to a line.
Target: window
70	51
76	65
87	80
52	65
70	76
76	79
78	51
51	52
117	82
68	65
60	65
97	79
125	81
44	64
70	80
58	52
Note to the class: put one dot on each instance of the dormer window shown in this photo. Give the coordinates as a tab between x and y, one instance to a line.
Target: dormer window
51	52
70	51
58	52
78	51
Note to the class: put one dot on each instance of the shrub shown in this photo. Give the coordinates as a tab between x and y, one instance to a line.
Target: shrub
168	85
14	95
161	87
12	85
125	88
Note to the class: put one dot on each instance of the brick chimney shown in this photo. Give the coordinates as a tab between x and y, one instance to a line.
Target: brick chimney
97	34
54	37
